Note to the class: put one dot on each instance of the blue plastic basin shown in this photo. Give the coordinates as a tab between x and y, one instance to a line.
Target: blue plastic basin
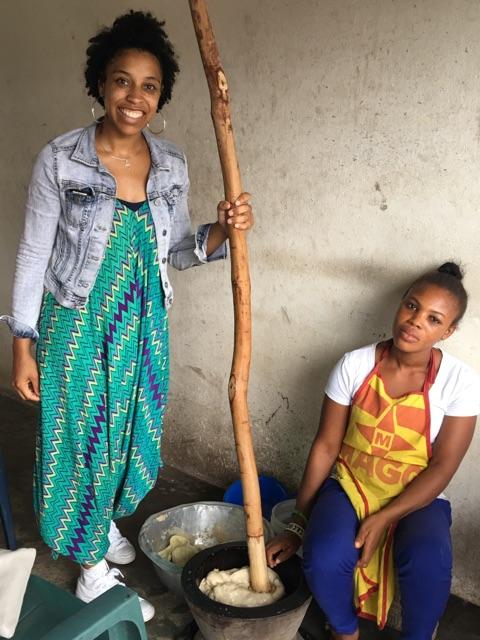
271	492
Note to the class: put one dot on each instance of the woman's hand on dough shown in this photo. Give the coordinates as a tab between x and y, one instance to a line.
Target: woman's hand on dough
369	535
238	214
281	548
25	378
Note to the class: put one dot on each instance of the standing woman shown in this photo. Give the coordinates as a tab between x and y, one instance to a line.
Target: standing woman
106	211
397	420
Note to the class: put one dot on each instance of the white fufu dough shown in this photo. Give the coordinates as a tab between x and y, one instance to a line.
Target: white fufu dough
232	587
179	550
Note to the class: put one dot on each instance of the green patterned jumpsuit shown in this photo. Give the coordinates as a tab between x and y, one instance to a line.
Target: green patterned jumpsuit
104	372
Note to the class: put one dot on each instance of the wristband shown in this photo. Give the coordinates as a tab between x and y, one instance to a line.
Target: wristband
301	515
295	528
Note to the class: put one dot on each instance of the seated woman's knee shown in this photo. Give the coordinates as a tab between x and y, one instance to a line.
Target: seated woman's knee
330	559
426	557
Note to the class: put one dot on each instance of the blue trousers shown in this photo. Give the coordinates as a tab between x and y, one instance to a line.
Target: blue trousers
422	554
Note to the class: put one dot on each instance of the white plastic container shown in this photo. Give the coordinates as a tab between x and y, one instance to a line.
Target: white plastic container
281	515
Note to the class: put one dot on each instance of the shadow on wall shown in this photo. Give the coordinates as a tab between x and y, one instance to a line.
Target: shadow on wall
307	264
288	430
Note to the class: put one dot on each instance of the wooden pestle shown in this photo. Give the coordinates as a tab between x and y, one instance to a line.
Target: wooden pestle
238	384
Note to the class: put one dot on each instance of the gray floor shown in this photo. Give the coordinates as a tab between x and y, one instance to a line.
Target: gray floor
172	620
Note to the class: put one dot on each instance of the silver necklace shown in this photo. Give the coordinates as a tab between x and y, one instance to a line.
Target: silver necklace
126	161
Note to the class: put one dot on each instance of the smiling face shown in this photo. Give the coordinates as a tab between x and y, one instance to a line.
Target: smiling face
426	315
131	90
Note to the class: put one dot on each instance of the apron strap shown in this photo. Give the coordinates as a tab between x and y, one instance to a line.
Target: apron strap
433	367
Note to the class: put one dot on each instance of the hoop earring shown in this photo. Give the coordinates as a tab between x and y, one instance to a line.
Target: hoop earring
95	119
157	133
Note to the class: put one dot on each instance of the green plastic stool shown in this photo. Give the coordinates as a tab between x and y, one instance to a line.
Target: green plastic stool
50	613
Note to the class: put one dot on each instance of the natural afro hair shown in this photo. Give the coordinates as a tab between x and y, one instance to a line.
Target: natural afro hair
133	30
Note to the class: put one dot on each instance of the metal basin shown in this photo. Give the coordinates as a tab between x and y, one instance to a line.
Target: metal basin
206	523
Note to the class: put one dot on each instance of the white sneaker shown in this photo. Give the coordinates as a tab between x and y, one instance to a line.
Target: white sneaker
120	551
100	578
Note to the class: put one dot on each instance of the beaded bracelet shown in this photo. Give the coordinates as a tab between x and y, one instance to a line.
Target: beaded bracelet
295	528
301	515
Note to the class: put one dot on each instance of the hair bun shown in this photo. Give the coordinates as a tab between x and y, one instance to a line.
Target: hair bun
452	268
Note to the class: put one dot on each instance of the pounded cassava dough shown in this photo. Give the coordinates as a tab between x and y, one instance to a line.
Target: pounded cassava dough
232	587
179	550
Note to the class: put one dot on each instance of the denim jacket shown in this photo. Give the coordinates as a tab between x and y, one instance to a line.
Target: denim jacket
69	213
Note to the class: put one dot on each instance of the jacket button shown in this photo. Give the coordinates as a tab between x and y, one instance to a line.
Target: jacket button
165	284
83	284
164	260
164	232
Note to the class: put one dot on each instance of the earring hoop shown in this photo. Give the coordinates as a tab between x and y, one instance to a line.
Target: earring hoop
157	133
95	119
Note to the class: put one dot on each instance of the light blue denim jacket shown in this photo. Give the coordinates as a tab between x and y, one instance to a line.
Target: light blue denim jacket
69	213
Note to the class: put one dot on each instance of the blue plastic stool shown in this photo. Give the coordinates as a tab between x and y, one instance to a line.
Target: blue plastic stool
6	509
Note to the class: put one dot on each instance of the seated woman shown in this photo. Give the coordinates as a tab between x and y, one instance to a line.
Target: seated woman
397	420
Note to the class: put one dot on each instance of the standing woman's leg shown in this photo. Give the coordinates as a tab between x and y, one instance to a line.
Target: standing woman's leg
423	560
329	556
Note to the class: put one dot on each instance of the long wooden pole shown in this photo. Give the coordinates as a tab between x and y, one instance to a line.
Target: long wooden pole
238	384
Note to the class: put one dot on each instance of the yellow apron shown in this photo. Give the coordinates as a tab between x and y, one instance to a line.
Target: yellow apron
387	444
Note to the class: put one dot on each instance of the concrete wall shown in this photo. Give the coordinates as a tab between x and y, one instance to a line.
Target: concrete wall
358	130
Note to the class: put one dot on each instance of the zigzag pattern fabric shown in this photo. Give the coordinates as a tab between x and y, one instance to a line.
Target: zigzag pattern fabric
104	372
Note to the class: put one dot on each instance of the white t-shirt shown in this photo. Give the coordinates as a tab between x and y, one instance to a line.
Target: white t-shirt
455	392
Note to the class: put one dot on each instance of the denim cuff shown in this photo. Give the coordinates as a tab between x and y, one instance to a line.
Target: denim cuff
201	240
19	329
